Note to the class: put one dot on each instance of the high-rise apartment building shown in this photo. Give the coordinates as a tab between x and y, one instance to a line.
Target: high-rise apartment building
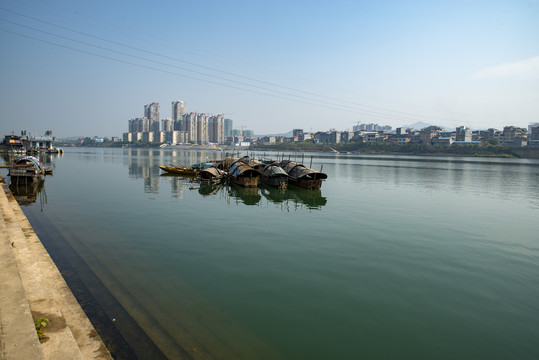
139	125
371	127
228	124
180	124
202	129
178	110
151	111
248	133
166	124
216	129
191	123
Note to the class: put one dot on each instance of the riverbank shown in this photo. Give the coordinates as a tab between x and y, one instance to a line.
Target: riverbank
32	288
482	150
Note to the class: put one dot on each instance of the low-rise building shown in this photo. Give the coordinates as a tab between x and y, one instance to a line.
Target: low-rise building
427	134
267	140
533	135
443	140
463	133
514	136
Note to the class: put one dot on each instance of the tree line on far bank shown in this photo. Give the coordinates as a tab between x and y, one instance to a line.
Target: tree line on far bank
489	147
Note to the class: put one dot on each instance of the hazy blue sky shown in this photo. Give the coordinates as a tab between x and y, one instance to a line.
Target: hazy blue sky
86	68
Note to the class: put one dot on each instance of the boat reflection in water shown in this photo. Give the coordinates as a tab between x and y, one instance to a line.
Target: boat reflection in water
313	199
291	197
27	194
246	195
208	189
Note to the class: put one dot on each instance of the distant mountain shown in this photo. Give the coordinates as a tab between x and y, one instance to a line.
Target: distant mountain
421	125
288	134
418	125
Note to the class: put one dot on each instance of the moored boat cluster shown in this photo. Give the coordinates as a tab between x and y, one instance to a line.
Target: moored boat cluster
248	172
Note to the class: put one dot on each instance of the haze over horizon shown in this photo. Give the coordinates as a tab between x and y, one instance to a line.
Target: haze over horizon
86	68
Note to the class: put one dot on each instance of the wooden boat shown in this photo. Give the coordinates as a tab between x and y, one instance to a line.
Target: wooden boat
179	170
273	175
302	176
211	175
244	175
26	170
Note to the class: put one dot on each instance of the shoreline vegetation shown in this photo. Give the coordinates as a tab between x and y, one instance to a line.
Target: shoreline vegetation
484	149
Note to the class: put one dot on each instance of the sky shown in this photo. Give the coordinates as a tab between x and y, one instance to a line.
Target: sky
84	68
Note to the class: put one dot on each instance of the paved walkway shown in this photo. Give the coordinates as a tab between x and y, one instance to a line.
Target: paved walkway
31	287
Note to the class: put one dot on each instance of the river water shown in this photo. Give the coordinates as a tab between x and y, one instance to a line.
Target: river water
397	257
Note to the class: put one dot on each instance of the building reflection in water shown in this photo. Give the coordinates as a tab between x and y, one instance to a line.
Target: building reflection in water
178	184
144	165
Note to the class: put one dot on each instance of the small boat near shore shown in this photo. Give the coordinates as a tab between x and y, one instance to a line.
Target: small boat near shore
27	170
180	170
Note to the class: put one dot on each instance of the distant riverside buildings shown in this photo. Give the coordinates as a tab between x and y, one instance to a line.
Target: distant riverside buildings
432	135
201	128
183	127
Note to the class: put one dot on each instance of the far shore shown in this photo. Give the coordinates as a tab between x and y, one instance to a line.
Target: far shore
350	148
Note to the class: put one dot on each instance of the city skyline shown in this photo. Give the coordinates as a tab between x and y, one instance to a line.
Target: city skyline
79	70
184	127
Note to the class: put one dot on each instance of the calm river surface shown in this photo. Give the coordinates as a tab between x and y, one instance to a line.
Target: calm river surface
396	258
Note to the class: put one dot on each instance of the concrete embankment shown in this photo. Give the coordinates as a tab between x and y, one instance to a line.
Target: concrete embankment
32	288
527	152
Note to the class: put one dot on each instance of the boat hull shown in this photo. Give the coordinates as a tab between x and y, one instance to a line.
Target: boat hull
179	170
246	181
280	182
307	183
